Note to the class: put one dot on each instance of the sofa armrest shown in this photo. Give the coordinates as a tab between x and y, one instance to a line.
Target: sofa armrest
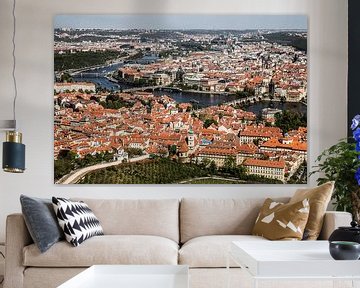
333	220
17	237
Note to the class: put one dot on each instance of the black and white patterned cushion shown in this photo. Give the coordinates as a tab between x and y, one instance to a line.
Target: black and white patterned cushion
77	220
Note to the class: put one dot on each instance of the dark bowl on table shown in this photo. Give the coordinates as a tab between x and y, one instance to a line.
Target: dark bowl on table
344	250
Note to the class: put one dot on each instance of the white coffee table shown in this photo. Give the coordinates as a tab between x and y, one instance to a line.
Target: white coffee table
131	276
293	260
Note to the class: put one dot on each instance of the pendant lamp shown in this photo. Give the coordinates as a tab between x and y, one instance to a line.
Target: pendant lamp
13	149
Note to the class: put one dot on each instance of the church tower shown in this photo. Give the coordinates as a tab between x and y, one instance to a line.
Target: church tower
191	139
271	88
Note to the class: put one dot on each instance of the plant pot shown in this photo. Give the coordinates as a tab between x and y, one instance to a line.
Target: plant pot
350	234
343	250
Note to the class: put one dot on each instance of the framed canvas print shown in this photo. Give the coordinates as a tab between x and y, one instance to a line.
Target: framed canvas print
180	99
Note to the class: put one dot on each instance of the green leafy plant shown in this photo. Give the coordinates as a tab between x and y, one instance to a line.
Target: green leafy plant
341	163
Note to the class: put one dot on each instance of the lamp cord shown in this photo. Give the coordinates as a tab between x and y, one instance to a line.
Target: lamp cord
14	61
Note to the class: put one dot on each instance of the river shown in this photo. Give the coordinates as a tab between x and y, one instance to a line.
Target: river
203	100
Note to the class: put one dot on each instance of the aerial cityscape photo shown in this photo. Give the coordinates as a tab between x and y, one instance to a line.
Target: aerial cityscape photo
180	99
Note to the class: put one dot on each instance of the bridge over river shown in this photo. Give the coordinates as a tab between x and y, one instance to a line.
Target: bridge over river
254	99
152	88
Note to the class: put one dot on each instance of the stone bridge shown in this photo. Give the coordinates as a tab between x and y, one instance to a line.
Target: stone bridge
151	88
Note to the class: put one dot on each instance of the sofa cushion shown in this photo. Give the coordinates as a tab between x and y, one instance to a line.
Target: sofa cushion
201	217
41	221
137	217
319	198
107	249
35	277
211	251
76	220
279	221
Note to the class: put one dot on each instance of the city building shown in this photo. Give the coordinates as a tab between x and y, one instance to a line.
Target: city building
266	168
75	86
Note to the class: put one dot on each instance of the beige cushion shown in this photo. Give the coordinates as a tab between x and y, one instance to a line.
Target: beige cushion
211	251
137	217
200	217
278	221
221	278
48	277
333	220
319	198
108	249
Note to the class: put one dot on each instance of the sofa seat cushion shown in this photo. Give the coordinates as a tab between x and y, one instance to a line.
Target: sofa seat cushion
206	217
211	251
107	249
159	217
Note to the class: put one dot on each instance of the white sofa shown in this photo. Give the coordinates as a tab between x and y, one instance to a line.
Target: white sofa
194	232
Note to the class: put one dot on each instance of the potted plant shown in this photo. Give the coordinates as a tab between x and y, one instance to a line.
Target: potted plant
341	163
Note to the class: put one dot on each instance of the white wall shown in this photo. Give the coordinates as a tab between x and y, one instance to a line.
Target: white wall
327	89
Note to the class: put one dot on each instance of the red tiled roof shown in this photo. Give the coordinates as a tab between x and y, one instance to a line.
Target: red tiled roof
295	145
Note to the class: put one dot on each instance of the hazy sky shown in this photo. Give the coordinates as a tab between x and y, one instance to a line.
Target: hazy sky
236	22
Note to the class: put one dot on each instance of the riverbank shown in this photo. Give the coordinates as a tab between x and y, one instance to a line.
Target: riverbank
202	99
192	91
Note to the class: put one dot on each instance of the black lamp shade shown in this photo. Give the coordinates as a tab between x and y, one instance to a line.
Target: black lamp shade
13	157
